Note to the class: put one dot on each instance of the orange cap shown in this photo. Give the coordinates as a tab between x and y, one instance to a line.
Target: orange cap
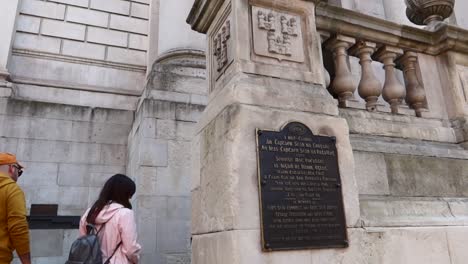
8	158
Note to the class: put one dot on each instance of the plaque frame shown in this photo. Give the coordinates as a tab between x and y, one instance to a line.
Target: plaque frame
266	247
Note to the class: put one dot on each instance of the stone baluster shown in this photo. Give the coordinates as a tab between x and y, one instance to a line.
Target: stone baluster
343	84
369	87
323	37
393	91
415	94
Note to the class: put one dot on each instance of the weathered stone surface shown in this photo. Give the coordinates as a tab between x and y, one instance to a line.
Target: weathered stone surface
229	166
400	146
456	237
84	175
28	24
153	152
112	6
62	29
41	194
267	92
373	245
51	243
139	10
417	211
188	112
170	96
40	174
105	36
173	224
38	43
43	9
371	173
126	56
113	154
73	200
86	16
83	50
363	122
425	176
147	180
93	76
160	109
83	3
128	24
138	42
58	151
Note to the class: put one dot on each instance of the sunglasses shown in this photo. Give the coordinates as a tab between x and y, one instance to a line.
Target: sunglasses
20	171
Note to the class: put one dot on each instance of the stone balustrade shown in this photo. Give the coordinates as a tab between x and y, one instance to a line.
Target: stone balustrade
396	48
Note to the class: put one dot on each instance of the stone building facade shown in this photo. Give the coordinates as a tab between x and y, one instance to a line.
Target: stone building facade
89	88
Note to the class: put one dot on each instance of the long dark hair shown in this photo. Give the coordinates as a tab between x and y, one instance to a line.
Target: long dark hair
118	188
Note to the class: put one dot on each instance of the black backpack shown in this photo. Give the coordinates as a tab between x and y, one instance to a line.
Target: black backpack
87	249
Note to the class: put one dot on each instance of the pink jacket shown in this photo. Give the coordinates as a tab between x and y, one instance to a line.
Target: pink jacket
120	226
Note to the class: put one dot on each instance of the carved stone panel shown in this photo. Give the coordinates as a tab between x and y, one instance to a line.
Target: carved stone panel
222	48
463	72
277	35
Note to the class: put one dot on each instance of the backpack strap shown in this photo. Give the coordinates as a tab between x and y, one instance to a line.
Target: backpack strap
115	250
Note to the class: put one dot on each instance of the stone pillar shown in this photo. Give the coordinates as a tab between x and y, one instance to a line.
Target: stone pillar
174	33
160	142
264	71
168	31
8	14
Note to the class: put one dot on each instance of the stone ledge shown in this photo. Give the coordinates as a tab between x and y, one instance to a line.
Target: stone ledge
382	144
385	211
399	126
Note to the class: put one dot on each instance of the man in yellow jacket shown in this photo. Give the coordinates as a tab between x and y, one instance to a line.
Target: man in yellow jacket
14	231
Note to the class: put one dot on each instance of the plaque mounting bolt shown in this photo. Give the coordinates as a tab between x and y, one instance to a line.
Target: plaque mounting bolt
346	243
259	132
333	139
267	245
264	182
338	185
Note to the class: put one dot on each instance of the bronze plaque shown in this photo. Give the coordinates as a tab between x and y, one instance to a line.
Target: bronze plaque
300	190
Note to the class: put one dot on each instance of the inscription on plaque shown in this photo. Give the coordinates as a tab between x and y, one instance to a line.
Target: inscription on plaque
300	190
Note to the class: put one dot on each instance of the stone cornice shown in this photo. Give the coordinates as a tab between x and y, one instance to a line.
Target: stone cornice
444	37
203	13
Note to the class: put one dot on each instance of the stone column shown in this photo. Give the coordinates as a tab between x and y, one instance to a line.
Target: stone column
160	142
264	71
174	33
168	32
8	14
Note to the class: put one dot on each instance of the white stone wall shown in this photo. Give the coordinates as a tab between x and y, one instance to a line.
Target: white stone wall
97	45
68	151
51	246
111	30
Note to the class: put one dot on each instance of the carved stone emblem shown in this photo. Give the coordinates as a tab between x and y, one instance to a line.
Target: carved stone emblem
220	45
463	72
277	35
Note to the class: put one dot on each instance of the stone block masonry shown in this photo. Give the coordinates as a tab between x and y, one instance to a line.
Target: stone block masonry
160	153
50	26
69	150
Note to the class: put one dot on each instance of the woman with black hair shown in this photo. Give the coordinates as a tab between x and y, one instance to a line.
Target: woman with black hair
112	212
